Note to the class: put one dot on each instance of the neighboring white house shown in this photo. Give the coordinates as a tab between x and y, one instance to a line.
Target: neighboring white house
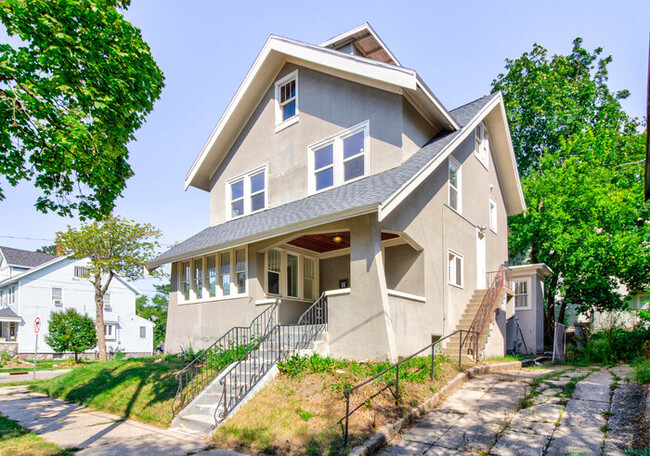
35	285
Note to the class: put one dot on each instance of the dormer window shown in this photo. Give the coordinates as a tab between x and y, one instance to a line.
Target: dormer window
339	159
286	101
482	149
246	194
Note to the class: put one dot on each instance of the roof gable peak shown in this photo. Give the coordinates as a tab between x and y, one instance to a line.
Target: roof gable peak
362	41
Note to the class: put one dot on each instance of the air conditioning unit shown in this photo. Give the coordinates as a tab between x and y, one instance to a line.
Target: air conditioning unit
107	307
58	303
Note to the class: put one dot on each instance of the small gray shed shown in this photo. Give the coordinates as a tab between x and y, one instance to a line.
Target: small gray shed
529	308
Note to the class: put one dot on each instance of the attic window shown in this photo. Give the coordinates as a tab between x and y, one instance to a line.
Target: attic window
286	97
482	144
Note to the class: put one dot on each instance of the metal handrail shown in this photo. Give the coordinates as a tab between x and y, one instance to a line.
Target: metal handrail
395	366
500	279
280	342
207	366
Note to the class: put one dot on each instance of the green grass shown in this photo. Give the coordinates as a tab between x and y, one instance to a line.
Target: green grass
16	440
131	388
642	371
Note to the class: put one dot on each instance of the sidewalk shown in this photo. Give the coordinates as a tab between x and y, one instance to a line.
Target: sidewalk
95	433
6	377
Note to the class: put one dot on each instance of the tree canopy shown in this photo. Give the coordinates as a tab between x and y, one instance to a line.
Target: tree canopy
69	331
73	91
580	159
113	246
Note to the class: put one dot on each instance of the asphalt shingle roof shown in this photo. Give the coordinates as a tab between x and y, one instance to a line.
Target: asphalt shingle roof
371	190
8	313
26	258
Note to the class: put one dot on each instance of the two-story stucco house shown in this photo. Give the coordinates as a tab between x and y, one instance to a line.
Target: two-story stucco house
336	170
35	284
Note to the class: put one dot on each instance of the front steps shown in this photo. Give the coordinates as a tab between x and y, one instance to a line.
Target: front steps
259	368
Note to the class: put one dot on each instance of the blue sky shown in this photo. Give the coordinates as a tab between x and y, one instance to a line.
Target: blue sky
205	49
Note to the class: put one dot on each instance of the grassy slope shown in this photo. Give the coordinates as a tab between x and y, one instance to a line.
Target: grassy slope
15	440
138	388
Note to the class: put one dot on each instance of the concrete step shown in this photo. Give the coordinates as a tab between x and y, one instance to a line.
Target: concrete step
198	422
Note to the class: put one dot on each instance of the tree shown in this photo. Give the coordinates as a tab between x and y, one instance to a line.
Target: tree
69	331
73	91
156	311
114	246
49	249
580	160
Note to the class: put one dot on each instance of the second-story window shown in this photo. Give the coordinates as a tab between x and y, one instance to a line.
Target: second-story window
247	193
482	144
107	301
339	159
493	214
454	184
286	101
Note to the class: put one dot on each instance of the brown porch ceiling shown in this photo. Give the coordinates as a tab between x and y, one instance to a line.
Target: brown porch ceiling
322	243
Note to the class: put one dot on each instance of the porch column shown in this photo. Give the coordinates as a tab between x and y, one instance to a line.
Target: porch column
363	328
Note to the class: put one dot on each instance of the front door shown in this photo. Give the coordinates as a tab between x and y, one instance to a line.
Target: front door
480	260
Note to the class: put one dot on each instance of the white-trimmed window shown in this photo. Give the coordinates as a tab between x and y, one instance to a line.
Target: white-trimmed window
214	276
291	274
57	296
80	271
338	159
455	197
455	269
11	300
246	194
107	301
109	331
522	290
493	214
143	332
482	148
286	101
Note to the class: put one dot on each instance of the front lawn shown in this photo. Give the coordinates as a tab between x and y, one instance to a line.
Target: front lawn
298	413
16	440
141	388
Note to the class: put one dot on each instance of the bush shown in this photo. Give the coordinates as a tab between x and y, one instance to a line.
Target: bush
72	332
617	345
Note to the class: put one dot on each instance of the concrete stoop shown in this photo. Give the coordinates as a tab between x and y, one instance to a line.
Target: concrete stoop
198	418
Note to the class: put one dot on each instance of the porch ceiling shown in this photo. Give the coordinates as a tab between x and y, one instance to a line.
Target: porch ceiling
323	243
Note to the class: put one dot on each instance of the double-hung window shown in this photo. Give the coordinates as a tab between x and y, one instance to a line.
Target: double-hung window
211	275
107	301
214	276
286	101
225	277
246	194
57	296
274	267
339	159
493	214
482	144
198	278
12	295
109	331
308	277
521	295
185	279
455	269
454	185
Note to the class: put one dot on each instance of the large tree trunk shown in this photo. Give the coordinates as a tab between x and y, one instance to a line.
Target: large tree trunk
560	316
99	311
549	315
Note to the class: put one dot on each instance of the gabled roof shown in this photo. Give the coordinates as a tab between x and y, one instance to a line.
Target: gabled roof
275	53
366	41
24	258
375	193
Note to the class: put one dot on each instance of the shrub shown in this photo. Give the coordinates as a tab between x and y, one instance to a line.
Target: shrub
72	332
617	345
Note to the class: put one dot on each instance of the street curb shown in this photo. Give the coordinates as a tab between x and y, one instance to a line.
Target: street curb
389	431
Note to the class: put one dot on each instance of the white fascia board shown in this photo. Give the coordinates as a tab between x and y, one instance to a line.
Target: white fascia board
16	278
434	100
511	150
414	182
284	230
363	27
372	70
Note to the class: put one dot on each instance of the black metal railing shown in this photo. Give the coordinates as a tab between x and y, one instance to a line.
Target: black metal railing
386	375
228	349
498	280
279	343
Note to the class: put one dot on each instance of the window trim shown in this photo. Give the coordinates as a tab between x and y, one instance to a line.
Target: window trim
114	335
338	159
52	296
459	189
248	193
462	269
284	292
482	145
494	221
529	304
108	305
279	123
219	296
145	332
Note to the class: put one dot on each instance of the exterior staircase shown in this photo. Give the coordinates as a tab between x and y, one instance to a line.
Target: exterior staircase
209	391
478	318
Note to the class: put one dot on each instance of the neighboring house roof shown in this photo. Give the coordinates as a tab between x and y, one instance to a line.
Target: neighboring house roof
9	315
375	193
24	258
55	260
275	53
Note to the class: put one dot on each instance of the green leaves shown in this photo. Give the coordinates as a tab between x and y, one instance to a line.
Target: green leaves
69	331
72	96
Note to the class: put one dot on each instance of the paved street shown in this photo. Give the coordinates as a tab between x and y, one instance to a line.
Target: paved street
95	433
6	377
534	412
